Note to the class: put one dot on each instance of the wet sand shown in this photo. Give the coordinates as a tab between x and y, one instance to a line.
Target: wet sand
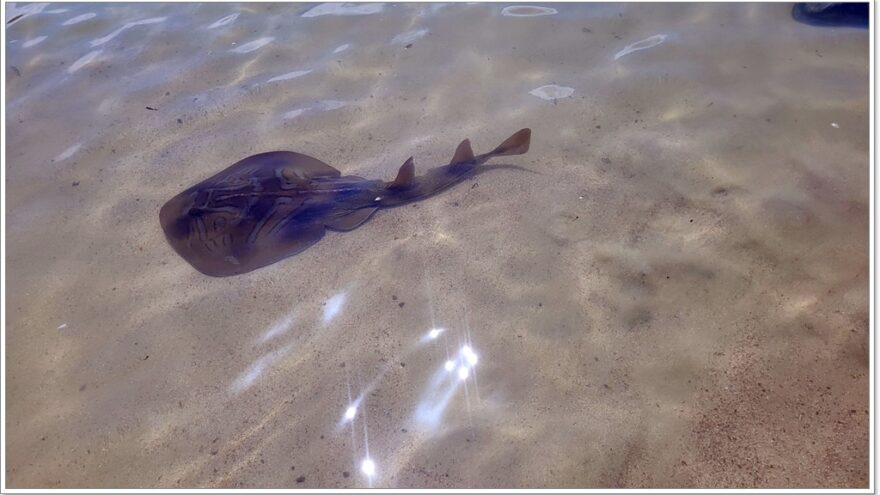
675	295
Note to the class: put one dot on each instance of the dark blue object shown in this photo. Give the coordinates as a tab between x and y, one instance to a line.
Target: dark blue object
832	14
273	205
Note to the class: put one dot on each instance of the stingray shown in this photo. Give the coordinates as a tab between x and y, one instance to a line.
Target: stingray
832	14
270	206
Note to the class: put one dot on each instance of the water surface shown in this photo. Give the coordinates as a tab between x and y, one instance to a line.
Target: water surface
677	296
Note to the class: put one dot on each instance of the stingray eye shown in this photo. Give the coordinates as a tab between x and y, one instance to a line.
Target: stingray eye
289	175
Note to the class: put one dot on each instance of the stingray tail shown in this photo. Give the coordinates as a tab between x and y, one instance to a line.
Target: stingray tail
514	145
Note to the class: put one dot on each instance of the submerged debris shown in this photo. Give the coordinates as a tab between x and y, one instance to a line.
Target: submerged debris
552	92
641	45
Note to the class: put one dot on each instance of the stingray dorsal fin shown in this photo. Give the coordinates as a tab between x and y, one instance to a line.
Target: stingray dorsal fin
406	175
463	153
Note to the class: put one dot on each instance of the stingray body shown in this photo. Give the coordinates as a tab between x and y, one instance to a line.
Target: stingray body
832	14
273	205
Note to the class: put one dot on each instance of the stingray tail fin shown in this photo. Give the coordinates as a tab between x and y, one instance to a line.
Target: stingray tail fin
514	145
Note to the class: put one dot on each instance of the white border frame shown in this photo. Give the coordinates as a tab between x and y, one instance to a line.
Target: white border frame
872	301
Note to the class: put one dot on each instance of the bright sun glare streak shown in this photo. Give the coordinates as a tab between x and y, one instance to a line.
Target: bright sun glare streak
442	387
469	355
350	413
368	467
436	397
432	334
334	305
250	376
281	326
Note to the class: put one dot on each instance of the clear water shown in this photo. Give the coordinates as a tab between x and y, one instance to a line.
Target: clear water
675	294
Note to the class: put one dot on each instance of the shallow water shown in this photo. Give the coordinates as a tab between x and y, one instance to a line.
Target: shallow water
676	294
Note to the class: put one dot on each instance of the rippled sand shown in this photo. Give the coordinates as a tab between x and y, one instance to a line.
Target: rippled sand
675	295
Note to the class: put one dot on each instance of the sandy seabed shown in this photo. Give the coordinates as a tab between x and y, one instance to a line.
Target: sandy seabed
674	295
